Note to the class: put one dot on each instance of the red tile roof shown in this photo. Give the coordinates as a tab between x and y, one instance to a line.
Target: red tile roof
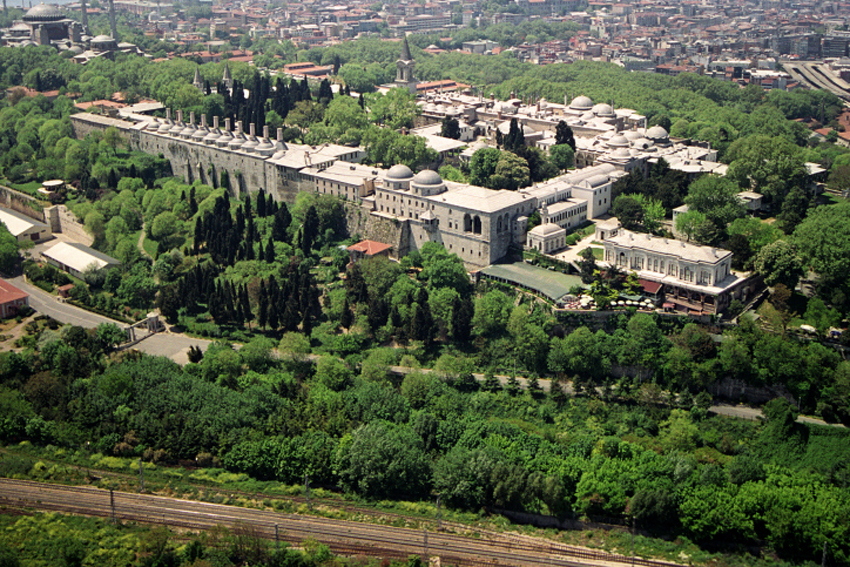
9	293
369	247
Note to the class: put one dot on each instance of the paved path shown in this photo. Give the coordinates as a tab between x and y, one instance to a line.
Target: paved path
171	345
754	414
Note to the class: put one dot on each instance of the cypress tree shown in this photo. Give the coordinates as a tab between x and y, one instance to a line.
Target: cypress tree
269	251
263	310
310	230
347	317
246	306
274	318
261	203
282	220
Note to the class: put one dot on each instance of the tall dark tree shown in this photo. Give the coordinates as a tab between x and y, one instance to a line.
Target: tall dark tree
346	318
282	220
309	230
261	203
564	135
450	128
462	312
269	254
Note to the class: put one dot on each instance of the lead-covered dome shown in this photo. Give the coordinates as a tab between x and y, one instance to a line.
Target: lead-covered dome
581	103
657	133
44	13
399	172
603	110
428	177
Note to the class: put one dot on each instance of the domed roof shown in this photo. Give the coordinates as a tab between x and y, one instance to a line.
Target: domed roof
581	103
102	39
657	133
545	229
621	153
603	109
631	135
44	13
20	26
428	177
399	172
642	143
618	141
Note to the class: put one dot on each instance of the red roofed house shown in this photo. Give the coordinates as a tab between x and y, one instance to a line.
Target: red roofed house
11	299
368	249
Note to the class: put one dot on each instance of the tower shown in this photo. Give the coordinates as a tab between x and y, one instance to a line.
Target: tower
112	26
226	78
404	69
197	82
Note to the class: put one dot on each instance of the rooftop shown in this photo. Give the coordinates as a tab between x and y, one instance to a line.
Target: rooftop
678	248
9	293
478	198
18	223
552	284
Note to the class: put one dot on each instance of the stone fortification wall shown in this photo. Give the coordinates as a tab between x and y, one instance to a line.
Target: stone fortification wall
84	124
196	161
24	204
367	225
61	219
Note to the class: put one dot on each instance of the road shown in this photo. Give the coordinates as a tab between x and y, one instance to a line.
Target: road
172	345
754	414
343	537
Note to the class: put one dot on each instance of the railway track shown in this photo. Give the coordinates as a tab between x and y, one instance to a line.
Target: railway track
343	537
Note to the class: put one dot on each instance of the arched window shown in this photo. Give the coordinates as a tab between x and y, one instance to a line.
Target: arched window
467	223
476	225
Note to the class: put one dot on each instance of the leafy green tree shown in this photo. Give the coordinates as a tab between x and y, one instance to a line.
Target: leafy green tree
491	313
383	460
689	223
511	173
333	373
581	355
768	165
717	198
396	109
450	128
823	242
779	264
562	155
482	166
8	250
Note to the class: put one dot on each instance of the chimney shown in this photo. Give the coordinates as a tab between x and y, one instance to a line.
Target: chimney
227	124
239	128
252	129
179	116
192	118
215	122
266	131
280	134
203	120
168	114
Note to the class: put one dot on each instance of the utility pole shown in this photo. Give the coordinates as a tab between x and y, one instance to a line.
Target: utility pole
276	538
112	504
141	475
307	490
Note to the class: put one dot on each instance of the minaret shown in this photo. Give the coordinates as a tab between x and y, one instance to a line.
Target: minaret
112	27
84	18
226	78
197	82
404	69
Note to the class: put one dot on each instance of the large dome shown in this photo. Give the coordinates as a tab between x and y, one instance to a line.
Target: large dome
603	110
44	13
618	141
428	177
656	133
581	103
399	172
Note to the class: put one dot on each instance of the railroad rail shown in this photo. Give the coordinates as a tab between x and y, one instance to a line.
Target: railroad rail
343	537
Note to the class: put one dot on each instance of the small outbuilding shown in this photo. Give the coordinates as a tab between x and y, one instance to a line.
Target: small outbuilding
368	249
76	258
11	299
24	228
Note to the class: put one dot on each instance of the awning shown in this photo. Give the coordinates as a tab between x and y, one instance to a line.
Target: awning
649	287
669	305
